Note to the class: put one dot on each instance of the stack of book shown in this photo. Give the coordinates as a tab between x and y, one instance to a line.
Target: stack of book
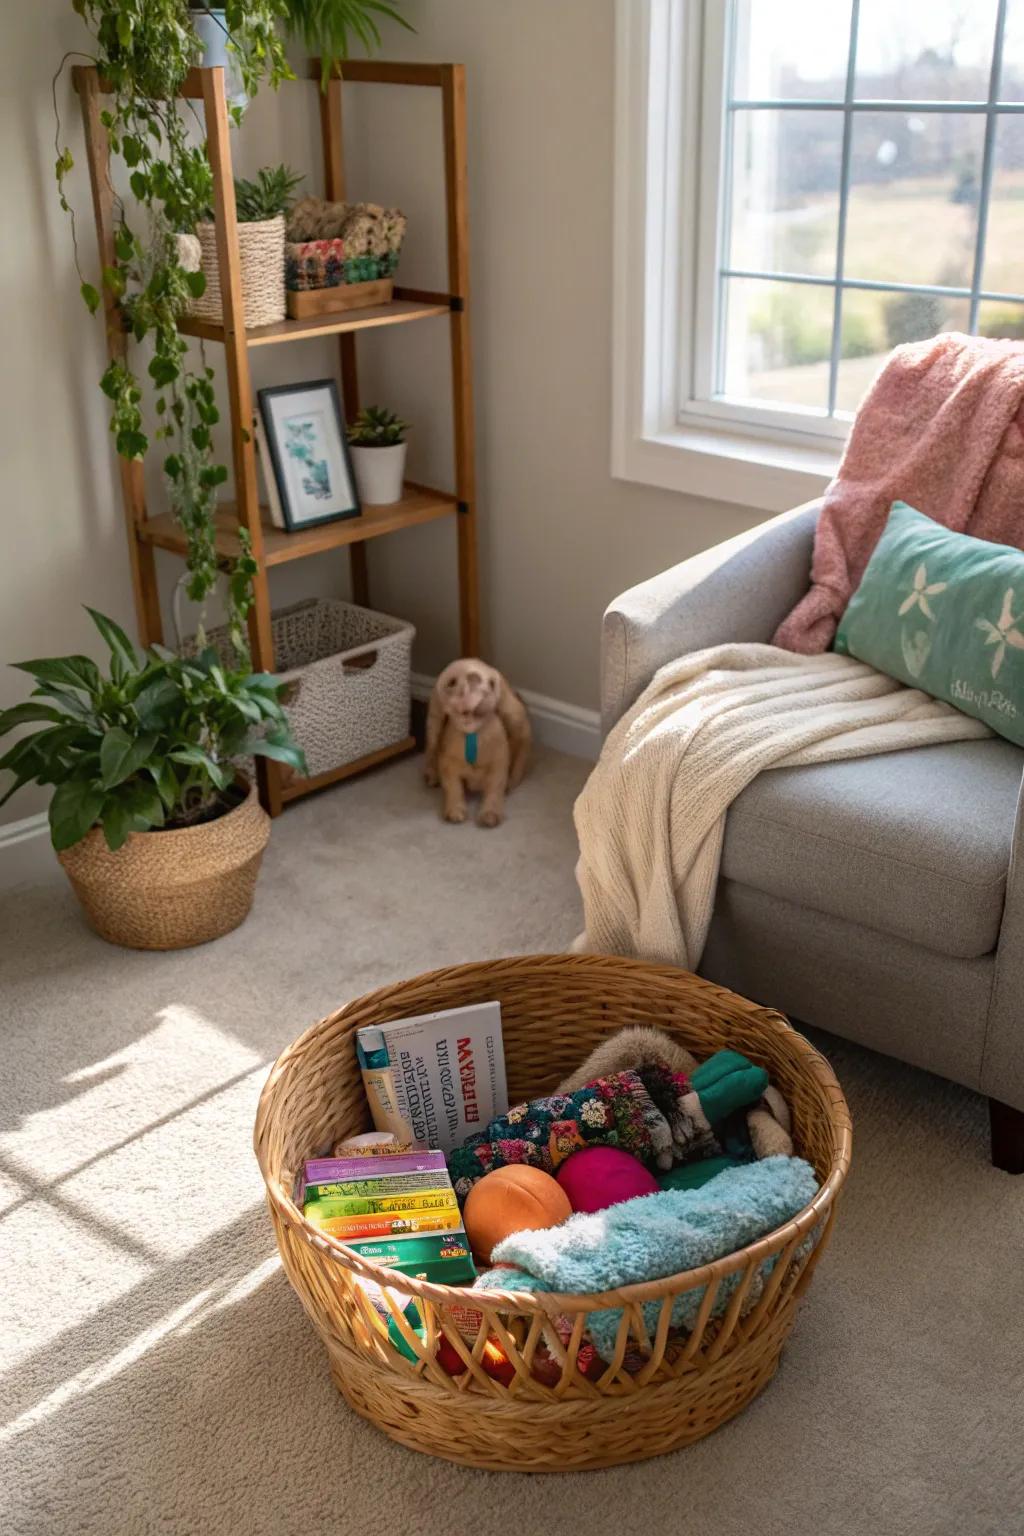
398	1211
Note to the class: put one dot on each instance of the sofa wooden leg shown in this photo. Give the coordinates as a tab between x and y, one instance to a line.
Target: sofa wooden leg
1007	1136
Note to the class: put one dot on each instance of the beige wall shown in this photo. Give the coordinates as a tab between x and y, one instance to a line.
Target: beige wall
559	536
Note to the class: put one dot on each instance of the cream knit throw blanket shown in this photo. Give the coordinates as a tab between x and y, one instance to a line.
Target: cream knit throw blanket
651	816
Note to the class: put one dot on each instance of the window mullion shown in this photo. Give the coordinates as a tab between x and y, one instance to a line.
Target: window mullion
844	203
987	164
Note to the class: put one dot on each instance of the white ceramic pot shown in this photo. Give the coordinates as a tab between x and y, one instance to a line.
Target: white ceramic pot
211	29
380	473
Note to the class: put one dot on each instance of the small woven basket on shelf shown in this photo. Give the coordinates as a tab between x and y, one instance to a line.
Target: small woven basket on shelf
661	1389
261	256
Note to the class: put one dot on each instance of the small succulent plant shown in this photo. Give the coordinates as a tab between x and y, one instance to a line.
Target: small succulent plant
269	195
375	427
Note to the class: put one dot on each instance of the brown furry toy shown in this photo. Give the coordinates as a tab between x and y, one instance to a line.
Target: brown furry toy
478	739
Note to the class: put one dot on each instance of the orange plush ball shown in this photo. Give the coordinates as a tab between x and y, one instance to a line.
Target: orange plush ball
513	1199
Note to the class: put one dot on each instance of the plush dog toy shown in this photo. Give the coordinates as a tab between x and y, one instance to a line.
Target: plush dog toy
478	738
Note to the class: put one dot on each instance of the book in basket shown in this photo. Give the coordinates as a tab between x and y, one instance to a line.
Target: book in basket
437	1078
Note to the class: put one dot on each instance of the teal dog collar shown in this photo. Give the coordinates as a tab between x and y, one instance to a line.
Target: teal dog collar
471	748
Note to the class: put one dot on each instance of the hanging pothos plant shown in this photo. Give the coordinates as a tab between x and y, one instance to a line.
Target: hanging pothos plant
144	50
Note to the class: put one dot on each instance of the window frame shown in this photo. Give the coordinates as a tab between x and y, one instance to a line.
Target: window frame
669	267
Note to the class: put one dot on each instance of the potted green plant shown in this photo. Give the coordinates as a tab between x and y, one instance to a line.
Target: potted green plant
326	27
377	443
211	27
159	836
261	205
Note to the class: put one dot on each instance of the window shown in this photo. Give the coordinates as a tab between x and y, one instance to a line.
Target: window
822	180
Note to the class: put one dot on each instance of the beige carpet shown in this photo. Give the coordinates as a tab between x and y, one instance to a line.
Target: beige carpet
159	1373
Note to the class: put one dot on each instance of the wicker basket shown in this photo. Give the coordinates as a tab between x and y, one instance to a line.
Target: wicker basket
659	1391
170	890
261	254
349	669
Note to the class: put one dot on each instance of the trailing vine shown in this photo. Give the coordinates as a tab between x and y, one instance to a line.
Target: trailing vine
144	49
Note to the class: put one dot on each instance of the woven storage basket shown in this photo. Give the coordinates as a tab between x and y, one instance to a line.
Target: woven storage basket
261	255
169	890
659	1391
349	668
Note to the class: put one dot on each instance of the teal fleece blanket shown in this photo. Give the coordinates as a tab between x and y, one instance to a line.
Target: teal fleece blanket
654	1236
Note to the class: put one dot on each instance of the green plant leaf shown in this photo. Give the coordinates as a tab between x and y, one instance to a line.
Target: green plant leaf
281	751
72	671
219	774
156	704
74	809
23	714
91	297
120	647
122	755
166	782
135	809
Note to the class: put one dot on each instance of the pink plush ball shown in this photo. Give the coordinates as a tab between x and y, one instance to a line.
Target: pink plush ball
597	1177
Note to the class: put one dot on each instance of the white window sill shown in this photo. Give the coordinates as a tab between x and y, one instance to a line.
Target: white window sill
769	475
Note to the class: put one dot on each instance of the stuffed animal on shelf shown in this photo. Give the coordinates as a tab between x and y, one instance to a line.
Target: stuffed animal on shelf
478	738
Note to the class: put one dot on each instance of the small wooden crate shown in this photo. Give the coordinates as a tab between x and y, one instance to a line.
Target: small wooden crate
661	1390
304	303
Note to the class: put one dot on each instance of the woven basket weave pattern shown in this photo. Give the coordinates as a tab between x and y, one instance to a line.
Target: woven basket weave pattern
261	256
554	1010
338	712
170	890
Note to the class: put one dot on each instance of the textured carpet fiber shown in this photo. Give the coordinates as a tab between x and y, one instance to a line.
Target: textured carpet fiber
160	1375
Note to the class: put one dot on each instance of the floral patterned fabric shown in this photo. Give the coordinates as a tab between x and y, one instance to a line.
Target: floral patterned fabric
642	1112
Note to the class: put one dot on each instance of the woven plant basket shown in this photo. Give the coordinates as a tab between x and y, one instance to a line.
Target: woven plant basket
261	254
169	890
661	1390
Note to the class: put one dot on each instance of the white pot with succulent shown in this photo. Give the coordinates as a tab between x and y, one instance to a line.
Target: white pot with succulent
377	444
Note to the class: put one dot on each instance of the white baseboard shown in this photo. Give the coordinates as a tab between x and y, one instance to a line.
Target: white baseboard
563	727
24	849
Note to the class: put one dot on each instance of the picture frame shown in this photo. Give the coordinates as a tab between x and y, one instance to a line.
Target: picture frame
303	428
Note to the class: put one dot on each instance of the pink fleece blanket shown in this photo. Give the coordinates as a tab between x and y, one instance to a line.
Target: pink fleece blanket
941	428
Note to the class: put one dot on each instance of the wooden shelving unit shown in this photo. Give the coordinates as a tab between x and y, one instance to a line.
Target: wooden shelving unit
149	531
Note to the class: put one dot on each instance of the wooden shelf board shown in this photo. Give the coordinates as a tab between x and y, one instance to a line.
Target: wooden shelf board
398	312
295	788
418	505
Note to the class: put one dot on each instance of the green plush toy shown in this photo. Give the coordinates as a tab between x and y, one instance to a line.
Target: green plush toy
726	1082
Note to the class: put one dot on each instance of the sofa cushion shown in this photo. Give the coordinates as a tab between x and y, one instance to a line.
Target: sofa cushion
913	843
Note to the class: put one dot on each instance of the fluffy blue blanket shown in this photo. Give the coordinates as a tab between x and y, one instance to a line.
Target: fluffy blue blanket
654	1236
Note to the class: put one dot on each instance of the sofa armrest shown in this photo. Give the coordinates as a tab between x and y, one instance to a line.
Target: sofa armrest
1002	1063
740	590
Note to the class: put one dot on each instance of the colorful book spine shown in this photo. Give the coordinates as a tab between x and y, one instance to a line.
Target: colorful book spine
400	1224
378	1189
381	1205
440	1256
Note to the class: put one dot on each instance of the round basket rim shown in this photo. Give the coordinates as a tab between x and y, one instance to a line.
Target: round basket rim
176	835
549	1302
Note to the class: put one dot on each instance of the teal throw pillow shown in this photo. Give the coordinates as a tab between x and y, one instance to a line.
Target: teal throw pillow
944	613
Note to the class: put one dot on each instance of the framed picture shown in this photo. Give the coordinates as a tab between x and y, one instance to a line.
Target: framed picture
303	429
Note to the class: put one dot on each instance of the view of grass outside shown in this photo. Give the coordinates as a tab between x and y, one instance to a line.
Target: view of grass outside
915	188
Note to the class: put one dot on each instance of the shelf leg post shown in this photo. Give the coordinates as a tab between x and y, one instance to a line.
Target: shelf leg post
453	91
332	137
236	358
141	557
